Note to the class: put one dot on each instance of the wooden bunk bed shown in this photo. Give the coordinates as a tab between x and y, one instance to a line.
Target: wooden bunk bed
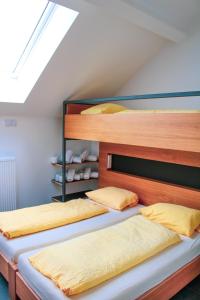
165	137
172	137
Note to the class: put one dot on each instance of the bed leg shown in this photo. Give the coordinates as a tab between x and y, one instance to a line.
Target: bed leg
12	268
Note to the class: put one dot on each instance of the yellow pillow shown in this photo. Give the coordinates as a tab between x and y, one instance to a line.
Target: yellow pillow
114	197
105	108
125	111
181	219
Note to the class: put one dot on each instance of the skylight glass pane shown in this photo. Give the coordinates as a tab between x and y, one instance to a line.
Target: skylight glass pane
36	25
18	19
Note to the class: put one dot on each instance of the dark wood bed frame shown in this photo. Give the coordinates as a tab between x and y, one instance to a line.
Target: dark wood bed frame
172	138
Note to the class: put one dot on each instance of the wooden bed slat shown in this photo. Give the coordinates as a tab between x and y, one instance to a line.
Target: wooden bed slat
174	131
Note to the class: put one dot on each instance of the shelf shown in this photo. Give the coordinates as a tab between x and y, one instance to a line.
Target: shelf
75	181
69	197
76	164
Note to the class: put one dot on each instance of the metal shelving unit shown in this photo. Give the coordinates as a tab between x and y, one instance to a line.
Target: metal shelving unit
69	197
76	164
66	197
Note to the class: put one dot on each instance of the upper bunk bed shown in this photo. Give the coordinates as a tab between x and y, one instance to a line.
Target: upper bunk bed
175	130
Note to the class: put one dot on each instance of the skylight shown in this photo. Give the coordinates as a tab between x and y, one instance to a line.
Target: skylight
30	33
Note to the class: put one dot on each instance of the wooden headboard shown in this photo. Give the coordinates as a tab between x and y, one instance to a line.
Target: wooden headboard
149	190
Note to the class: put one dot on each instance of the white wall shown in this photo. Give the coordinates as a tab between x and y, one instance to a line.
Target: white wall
176	68
33	141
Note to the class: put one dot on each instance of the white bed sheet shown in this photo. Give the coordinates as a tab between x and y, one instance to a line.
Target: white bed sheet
12	248
127	286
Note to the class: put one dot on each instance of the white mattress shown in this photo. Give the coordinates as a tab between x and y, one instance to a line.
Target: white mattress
128	286
11	249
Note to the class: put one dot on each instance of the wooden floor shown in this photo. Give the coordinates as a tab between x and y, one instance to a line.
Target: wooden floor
190	292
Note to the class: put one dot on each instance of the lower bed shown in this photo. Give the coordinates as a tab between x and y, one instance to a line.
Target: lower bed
12	248
130	285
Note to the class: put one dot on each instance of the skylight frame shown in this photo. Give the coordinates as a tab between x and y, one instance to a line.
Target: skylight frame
40	26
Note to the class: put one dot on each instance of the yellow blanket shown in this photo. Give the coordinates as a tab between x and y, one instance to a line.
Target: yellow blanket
84	262
35	219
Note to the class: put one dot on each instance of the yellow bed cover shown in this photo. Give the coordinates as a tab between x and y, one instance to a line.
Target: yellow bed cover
84	262
38	218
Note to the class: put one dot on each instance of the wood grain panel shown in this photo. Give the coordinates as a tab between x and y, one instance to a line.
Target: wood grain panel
12	269
76	108
4	266
175	131
24	292
164	155
174	283
149	191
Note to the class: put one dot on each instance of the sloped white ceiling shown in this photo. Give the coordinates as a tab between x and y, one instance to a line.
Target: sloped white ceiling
98	55
182	14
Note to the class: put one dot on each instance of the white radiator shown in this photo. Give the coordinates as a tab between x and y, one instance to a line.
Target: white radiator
7	183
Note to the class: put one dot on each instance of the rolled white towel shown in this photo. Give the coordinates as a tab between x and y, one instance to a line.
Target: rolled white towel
77	176
86	174
94	174
84	155
70	175
68	156
77	160
92	157
59	178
